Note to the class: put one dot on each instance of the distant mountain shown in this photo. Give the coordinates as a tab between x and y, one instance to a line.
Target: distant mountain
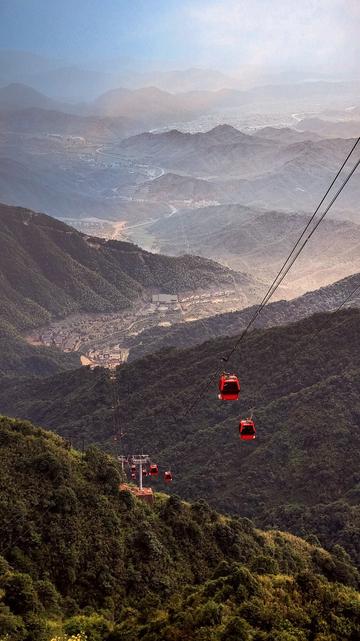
303	383
285	134
270	167
17	66
222	151
61	78
71	82
174	187
82	544
331	129
275	313
19	96
50	121
163	145
50	270
158	107
148	104
182	80
300	178
257	241
56	77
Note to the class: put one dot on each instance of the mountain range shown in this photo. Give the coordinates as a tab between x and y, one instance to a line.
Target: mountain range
40	120
156	107
81	160
331	129
257	241
86	79
269	169
226	152
221	151
218	556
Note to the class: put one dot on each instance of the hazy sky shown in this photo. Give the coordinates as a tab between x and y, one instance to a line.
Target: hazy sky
223	34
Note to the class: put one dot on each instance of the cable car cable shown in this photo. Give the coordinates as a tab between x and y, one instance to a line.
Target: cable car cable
313	216
277	281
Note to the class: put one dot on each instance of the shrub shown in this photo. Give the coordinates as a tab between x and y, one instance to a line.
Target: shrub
94	627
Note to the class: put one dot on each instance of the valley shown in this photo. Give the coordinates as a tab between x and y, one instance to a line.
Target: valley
99	171
87	293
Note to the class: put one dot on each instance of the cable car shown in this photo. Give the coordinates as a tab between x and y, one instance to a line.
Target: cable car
144	471
247	429
153	469
229	387
168	477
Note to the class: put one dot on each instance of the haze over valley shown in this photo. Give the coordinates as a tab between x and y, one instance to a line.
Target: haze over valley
230	173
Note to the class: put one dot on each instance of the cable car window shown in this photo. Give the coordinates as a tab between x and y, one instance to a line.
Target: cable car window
231	388
247	429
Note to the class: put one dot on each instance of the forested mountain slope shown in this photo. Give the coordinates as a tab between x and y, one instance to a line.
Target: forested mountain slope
78	555
302	380
49	270
18	358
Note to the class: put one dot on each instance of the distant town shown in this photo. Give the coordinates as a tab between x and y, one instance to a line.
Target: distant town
105	339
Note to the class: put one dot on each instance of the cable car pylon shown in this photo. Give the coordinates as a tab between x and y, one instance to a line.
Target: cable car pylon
140	465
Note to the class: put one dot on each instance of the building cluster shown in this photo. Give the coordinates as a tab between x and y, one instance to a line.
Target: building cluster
61	339
107	357
164	298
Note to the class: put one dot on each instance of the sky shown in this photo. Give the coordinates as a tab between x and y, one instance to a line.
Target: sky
225	34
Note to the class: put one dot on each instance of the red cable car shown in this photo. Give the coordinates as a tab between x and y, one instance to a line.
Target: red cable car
168	477
153	469
247	429
229	387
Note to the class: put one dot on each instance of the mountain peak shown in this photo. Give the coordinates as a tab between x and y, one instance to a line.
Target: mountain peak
223	128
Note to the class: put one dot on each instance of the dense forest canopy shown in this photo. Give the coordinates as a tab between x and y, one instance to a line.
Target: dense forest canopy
303	380
78	555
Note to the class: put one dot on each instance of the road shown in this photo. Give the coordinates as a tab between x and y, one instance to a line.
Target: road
152	173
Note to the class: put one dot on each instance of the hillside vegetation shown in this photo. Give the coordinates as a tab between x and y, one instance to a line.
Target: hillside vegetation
49	270
78	555
21	359
302	380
